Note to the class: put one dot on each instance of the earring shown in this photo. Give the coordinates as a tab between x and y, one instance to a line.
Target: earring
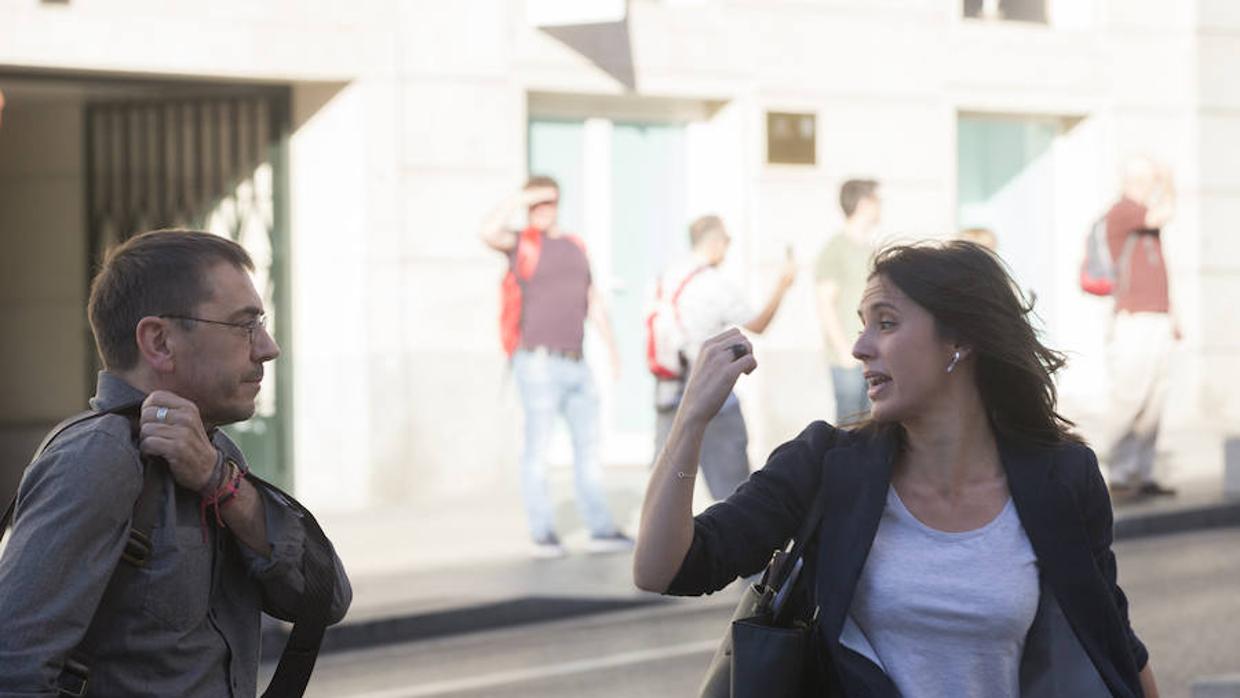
955	357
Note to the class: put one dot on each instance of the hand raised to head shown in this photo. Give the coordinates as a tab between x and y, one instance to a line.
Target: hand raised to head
172	429
539	195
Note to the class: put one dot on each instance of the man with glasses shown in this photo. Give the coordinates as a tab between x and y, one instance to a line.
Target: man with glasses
89	593
557	295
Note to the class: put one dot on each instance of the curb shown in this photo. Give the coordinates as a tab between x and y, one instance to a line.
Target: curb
1196	518
1226	686
455	621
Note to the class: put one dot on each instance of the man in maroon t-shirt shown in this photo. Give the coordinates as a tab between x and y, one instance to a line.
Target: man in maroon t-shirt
550	371
1143	329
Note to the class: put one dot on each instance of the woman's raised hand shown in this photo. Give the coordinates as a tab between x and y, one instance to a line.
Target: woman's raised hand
721	361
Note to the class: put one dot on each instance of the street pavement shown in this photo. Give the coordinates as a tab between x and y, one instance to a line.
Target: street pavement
1184	591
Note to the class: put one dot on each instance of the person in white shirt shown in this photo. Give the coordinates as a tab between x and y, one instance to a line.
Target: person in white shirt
706	305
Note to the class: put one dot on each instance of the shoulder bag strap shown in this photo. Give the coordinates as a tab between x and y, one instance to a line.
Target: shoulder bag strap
675	301
810	524
809	527
302	649
787	572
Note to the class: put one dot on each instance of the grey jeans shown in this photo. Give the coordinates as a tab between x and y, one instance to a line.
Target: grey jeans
725	457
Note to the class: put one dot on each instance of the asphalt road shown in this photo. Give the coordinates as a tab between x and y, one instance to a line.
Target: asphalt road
1184	592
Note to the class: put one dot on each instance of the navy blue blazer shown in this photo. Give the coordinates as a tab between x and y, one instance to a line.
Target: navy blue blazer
1080	644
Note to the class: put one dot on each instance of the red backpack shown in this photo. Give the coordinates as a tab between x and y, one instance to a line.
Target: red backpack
665	334
511	290
1100	275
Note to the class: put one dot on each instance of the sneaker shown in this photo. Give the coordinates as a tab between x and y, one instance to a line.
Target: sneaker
614	542
548	548
1153	489
1124	493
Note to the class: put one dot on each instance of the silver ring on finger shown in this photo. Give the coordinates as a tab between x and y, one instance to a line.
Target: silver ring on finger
738	350
161	414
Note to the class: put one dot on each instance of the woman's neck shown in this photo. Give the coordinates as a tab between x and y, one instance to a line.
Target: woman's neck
951	446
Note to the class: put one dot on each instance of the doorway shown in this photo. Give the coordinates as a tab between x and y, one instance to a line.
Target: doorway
85	162
624	190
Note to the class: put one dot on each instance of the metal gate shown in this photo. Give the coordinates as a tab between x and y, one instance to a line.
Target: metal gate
215	163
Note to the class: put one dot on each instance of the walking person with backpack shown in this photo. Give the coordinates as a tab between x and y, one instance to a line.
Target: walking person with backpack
1143	329
547	295
700	303
143	553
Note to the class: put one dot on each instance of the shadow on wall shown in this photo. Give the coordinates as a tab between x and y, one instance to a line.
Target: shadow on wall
606	45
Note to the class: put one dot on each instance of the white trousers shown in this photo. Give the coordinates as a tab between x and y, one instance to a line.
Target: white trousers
1138	357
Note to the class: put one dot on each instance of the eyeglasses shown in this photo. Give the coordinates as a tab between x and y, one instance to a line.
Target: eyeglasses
250	326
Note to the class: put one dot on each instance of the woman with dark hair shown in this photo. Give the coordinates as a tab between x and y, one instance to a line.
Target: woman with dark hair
964	547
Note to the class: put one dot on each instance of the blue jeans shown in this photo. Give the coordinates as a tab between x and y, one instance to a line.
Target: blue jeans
552	385
851	402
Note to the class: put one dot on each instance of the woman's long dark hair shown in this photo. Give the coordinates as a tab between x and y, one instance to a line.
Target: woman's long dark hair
974	301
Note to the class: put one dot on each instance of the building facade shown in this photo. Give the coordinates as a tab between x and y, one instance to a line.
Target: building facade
355	148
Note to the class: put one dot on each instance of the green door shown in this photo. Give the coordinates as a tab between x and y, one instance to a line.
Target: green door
638	176
648	231
1006	182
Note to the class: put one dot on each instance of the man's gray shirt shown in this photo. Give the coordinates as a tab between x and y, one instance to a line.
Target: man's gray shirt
187	624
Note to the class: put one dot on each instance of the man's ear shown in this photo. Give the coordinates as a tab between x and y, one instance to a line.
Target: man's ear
155	345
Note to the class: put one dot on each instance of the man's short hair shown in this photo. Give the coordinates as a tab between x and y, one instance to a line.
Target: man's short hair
162	272
703	228
853	191
536	181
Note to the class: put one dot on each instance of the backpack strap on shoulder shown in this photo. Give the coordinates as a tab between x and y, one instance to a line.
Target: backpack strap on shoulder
529	249
146	507
47	441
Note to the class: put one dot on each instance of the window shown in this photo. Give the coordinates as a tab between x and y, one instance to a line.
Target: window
1011	10
790	138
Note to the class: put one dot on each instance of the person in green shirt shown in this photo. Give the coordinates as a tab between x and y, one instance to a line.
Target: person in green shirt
840	277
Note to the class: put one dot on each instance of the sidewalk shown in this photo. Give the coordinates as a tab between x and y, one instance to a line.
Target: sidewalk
458	567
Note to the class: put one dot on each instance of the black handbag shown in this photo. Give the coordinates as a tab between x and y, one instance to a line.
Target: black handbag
765	649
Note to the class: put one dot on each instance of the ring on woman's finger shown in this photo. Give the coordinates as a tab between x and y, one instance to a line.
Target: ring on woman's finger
161	414
738	350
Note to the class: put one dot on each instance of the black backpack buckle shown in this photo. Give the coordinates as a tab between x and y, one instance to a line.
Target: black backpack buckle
74	679
137	548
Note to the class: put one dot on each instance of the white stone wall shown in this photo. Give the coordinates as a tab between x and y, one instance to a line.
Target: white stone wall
1216	279
410	122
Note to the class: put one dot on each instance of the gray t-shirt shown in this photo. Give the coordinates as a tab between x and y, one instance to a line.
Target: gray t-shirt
946	614
555	298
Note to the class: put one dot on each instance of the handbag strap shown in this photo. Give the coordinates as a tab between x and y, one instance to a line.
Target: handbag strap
808	527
